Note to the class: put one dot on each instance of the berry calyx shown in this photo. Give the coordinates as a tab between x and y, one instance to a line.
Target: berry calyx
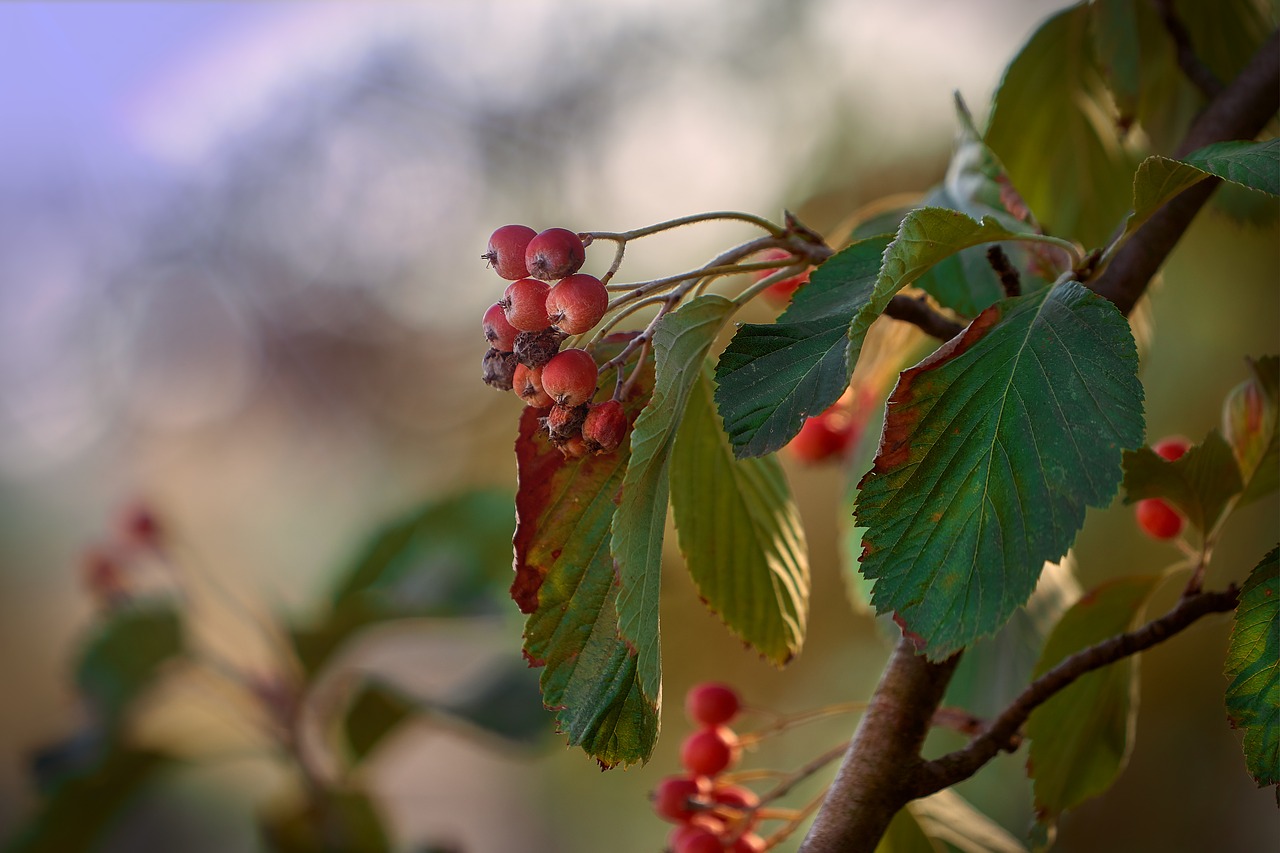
535	349
1171	447
679	798
506	252
565	422
527	383
712	703
823	437
525	304
604	427
499	369
498	331
555	253
1157	519
709	751
570	378
576	303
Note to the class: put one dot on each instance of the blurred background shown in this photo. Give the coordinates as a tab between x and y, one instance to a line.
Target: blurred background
240	282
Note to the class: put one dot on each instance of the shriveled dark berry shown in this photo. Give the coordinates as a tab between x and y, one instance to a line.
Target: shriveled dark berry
535	349
499	368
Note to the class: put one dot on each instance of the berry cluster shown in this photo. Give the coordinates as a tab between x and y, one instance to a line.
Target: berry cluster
527	326
108	568
1155	516
712	816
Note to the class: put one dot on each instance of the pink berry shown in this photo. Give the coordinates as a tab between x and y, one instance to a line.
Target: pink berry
749	843
576	303
527	382
525	304
780	292
500	334
709	751
507	246
694	838
676	797
822	437
1172	447
604	427
555	253
1157	519
570	378
712	703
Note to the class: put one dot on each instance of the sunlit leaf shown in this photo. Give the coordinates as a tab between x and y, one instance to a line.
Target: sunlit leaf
1200	483
125	653
740	533
1253	670
992	449
1081	738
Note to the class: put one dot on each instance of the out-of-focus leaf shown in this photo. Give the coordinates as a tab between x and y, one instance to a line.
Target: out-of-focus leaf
1080	739
331	821
1053	126
565	581
740	533
1253	670
1115	42
124	655
1251	425
904	835
680	345
377	709
950	818
1200	483
992	449
773	376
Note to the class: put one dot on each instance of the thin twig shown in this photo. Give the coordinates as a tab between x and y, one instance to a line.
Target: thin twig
917	311
1188	60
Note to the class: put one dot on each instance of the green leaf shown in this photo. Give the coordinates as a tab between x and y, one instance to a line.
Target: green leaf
773	376
1252	428
1200	483
1053	126
125	654
680	346
904	835
1081	738
740	533
949	818
1253	670
565	582
1115	42
992	448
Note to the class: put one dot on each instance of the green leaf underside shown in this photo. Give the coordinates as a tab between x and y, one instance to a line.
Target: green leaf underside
740	533
992	449
1080	739
1200	483
565	581
773	376
1255	165
1253	670
1053	126
680	345
125	654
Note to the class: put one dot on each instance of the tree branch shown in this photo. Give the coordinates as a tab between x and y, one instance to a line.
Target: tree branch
918	312
1240	112
1197	72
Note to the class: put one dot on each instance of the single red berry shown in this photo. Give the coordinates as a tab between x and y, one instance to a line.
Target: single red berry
527	383
712	703
498	331
507	246
604	427
694	838
1157	519
709	751
576	303
525	304
1172	447
749	843
103	577
570	378
780	292
677	798
822	437
554	254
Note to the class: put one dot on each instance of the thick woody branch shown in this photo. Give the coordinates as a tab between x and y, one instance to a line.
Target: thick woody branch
917	311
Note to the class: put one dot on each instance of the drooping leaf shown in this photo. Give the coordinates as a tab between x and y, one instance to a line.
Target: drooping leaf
1081	738
1200	483
992	448
680	345
124	655
740	533
772	376
565	581
1053	126
1251	424
1253	670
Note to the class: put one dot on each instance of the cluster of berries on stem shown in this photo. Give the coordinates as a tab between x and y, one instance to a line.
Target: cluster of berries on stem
1155	516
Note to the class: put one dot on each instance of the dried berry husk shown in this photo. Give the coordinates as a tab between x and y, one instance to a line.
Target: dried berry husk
565	422
499	368
535	349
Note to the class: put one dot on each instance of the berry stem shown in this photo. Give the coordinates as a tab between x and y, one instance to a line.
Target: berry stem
794	778
657	228
792	825
783	722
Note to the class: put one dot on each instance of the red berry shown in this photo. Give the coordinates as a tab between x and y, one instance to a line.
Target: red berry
1172	447
527	383
709	751
498	331
604	427
570	378
525	304
739	803
780	292
749	843
693	838
822	437
139	527
676	798
1157	519
712	703
507	246
555	253
576	303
